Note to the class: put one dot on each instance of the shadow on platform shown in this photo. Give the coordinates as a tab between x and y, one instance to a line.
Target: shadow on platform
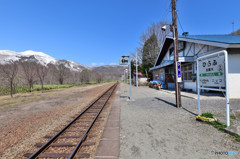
189	111
171	104
174	105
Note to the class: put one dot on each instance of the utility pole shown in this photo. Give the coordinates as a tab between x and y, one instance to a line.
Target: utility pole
136	70
175	37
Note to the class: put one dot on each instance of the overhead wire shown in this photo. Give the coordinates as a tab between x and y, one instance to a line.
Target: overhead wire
180	23
165	13
189	26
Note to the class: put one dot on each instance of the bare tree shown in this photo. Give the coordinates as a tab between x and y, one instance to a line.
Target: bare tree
41	73
9	72
61	72
16	81
29	71
81	78
98	77
51	77
76	77
155	28
85	76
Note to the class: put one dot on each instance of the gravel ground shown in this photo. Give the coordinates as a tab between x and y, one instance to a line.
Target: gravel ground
152	127
24	125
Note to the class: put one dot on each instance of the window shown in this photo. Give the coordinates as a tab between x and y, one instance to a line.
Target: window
167	71
169	75
171	71
171	51
155	75
187	72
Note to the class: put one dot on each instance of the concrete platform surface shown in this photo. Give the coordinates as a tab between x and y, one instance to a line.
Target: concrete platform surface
109	145
151	127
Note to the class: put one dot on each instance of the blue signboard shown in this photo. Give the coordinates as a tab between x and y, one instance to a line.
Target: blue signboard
179	71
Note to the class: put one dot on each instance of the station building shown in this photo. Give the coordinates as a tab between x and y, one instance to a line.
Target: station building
190	48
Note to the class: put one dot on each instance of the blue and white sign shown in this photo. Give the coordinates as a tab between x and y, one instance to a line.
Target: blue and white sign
179	75
123	61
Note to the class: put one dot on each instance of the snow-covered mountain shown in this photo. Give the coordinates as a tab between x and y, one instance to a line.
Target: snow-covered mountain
74	66
7	56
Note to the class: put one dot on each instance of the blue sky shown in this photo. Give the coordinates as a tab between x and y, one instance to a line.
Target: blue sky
98	32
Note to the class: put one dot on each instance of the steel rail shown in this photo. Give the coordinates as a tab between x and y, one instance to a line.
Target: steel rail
89	128
47	144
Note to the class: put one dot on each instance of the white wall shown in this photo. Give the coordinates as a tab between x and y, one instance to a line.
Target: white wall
189	49
171	85
162	74
234	75
142	79
190	85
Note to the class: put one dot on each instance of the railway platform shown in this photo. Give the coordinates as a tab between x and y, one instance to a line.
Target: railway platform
152	127
110	141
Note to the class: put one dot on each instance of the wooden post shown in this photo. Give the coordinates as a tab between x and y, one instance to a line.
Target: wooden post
175	35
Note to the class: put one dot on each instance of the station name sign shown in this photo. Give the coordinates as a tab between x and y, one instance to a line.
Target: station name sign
179	74
212	71
123	61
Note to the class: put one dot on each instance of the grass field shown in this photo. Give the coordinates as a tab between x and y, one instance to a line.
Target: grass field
23	96
24	89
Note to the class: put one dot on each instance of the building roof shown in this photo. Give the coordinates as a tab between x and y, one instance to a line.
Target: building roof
139	74
223	41
228	39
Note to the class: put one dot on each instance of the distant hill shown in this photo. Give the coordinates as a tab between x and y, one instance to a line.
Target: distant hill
236	32
7	56
110	70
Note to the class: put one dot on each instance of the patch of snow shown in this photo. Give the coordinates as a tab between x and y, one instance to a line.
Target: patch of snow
7	56
44	59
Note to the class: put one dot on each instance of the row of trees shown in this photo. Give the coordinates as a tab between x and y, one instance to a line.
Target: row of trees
30	73
149	47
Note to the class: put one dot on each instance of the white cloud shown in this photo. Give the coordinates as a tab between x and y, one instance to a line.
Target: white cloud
94	64
101	63
112	63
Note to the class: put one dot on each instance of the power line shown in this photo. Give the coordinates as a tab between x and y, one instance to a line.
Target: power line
166	11
180	23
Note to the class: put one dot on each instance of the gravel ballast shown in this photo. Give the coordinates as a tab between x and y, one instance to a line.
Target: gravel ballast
24	125
152	127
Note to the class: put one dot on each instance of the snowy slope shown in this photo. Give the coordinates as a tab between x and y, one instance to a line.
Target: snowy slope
7	56
42	58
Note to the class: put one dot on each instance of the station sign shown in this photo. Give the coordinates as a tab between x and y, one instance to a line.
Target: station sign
123	61
179	74
212	71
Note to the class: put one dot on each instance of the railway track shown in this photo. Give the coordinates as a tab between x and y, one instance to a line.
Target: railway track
67	142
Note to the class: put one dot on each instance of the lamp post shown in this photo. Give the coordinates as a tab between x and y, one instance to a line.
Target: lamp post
130	80
125	80
136	71
125	72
